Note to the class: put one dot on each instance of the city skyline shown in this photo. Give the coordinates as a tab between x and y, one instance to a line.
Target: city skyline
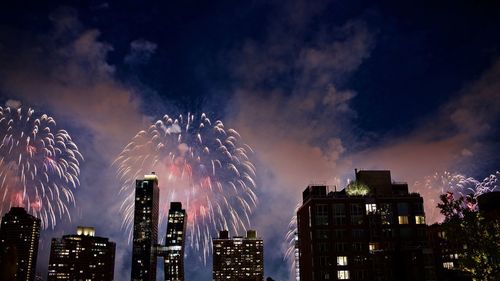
305	94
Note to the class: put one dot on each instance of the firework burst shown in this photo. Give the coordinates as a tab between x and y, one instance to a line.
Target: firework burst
439	183
39	165
203	165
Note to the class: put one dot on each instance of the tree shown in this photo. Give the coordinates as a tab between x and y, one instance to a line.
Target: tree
480	238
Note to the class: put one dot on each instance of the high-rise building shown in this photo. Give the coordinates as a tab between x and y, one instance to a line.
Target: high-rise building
374	229
238	258
145	236
82	256
19	234
174	243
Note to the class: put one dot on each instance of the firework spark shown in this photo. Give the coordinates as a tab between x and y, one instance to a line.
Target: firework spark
204	165
39	165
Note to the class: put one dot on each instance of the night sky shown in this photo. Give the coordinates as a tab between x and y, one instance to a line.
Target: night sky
316	88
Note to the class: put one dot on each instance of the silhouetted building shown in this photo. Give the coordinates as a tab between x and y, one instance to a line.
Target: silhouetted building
374	229
174	243
145	237
82	256
238	258
489	205
446	254
19	234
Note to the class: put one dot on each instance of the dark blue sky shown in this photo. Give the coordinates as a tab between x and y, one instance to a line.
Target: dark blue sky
316	87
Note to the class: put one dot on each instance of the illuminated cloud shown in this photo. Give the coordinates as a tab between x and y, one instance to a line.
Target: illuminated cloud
140	51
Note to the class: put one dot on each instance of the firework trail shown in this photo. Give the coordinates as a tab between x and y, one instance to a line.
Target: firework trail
203	165
39	165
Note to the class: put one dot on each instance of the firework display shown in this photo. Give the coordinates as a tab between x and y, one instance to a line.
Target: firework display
431	187
39	165
203	165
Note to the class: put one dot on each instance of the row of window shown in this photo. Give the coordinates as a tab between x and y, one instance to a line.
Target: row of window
357	216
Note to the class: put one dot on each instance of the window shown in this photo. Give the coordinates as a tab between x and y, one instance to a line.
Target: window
341	260
403	219
322	234
339	233
323	247
419	220
356	213
373	246
340	247
321	214
359	275
402	209
448	265
387	232
357	246
371	208
338	214
358	233
385	211
343	274
324	261
418	208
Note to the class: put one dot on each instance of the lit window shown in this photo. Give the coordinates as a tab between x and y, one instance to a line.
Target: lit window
372	246
419	220
371	208
343	274
403	219
448	265
342	260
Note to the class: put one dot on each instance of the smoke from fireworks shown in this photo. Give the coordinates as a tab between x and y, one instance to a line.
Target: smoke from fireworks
203	165
39	165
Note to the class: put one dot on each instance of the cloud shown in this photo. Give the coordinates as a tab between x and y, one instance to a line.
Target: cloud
453	139
140	51
291	105
65	72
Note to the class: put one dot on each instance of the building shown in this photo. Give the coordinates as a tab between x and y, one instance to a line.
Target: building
19	234
145	236
174	243
374	229
82	256
238	258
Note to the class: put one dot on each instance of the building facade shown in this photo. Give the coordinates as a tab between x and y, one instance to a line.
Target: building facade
145	236
238	258
374	229
174	243
19	235
82	256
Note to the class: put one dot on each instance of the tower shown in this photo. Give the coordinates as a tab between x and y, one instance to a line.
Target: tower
19	236
374	229
83	256
238	258
174	243
145	236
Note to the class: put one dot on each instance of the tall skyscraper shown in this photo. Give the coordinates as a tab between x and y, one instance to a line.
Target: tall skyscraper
19	236
174	243
145	237
238	258
374	229
83	256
